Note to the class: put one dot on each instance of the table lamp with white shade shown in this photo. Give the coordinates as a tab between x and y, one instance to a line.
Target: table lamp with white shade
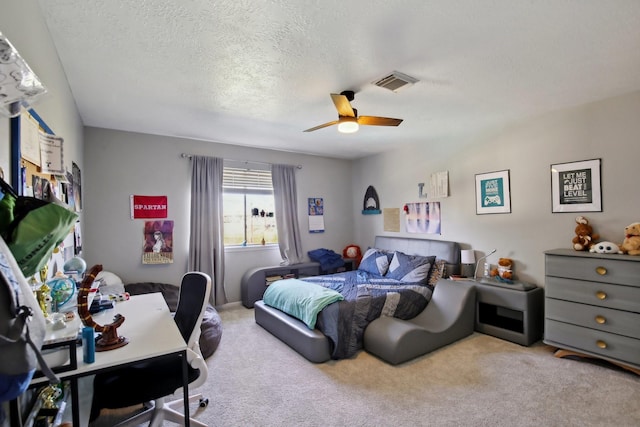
468	262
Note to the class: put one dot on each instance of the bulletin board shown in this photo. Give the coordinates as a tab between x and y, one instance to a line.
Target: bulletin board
37	162
31	168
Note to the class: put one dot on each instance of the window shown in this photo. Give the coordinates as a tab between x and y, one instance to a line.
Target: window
248	207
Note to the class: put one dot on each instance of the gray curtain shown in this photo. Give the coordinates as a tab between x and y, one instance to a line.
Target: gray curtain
286	201
206	239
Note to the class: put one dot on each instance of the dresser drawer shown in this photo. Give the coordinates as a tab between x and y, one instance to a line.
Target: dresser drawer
602	294
600	318
589	341
593	269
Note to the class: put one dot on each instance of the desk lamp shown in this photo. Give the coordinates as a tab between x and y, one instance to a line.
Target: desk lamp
475	273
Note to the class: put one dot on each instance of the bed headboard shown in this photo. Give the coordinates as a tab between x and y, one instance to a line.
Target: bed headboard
448	251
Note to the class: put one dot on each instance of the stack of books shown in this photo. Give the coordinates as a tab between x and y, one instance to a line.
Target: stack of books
270	279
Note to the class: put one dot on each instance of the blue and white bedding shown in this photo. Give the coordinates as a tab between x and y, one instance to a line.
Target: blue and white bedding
366	297
387	283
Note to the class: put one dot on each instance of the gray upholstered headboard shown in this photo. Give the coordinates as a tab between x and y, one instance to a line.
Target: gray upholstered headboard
448	251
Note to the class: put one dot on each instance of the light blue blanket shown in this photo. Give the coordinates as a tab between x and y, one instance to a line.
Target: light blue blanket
302	300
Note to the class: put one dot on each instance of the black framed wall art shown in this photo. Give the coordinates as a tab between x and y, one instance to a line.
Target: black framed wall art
576	186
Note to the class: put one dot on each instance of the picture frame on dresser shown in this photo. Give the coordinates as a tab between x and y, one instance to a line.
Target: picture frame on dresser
576	186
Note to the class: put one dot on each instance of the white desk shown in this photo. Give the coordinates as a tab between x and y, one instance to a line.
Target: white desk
151	332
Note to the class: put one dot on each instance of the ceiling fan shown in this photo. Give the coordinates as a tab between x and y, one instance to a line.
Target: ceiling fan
348	119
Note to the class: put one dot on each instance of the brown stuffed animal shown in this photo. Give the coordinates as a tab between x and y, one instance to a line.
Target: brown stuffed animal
585	237
631	243
504	269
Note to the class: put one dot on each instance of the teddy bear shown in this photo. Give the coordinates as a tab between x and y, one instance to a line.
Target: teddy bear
631	243
585	237
504	269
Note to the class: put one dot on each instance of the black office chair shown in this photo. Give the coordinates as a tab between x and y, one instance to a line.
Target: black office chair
150	382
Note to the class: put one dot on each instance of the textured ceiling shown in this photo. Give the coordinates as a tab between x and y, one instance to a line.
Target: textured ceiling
258	73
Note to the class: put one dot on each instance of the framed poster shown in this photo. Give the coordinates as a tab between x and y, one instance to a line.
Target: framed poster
493	193
158	242
576	187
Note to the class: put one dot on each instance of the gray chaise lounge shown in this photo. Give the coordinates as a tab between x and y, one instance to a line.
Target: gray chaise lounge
448	318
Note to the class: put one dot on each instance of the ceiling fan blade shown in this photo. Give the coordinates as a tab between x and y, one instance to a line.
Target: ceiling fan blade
378	121
335	122
342	105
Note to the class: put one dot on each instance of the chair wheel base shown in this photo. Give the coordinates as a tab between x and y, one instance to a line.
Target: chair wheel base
203	403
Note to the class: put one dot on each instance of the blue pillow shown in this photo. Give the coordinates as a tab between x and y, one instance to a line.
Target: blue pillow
375	262
410	268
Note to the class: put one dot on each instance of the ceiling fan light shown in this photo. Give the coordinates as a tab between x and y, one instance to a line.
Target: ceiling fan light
348	125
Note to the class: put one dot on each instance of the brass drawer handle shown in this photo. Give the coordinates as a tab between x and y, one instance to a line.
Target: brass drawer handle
601	344
600	320
601	295
601	271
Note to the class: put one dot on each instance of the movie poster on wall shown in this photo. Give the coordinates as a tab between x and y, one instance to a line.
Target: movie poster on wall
158	242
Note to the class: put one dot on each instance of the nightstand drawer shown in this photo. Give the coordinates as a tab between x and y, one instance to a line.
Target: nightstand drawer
602	294
600	318
591	341
593	269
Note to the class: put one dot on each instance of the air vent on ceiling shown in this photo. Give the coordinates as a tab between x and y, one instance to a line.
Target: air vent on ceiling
395	81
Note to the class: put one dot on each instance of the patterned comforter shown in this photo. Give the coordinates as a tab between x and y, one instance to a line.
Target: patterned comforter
367	297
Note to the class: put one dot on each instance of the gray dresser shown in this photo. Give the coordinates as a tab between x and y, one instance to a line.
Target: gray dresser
592	305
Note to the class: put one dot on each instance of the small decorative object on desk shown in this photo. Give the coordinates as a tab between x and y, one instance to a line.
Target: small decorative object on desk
88	345
109	339
62	290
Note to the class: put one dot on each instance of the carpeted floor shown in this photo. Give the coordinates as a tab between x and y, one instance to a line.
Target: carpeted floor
256	380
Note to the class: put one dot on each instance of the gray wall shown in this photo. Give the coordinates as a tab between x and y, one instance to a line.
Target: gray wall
607	129
120	164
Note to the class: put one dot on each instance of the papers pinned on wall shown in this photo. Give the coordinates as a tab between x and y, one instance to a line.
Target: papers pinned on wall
316	214
391	219
439	185
51	159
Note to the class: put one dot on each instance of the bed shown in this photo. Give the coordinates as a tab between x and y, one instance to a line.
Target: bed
338	329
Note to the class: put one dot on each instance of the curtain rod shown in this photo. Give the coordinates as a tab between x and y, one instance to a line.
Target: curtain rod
188	156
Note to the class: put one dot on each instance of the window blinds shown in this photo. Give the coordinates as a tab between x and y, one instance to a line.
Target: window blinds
247	180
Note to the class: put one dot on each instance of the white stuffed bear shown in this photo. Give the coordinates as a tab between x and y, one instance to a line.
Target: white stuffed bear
605	248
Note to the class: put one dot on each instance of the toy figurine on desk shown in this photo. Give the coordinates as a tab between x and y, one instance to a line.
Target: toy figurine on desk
109	339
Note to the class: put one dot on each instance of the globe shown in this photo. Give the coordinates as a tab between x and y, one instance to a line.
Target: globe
62	289
76	264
